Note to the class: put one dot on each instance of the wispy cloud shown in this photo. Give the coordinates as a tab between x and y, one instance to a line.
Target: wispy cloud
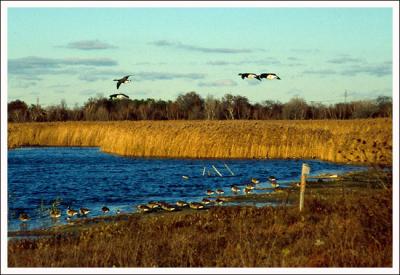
218	83
266	61
92	77
89	45
58	86
88	92
305	51
371	94
294	64
32	65
150	63
344	60
95	74
23	84
33	68
322	72
221	63
294	92
167	76
378	70
187	47
253	82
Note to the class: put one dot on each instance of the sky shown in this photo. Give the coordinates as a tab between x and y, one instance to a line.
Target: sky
73	54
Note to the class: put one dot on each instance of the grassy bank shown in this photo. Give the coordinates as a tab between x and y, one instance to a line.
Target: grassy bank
345	224
356	141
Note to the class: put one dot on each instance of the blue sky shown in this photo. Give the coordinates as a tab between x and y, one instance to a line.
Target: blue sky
75	53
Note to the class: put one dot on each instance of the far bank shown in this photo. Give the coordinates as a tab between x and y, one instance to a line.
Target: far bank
367	141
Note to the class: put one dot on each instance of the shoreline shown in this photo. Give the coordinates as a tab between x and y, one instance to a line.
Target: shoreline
335	229
276	198
200	158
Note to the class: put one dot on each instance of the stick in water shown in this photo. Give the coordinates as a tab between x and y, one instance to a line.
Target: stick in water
216	171
229	169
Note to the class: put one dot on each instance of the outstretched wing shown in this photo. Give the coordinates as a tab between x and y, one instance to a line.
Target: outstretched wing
125	95
118	84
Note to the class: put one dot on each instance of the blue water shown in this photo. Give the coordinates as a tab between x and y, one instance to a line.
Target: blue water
86	177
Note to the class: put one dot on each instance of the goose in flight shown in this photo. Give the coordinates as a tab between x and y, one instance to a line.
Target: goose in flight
118	96
269	76
249	75
122	80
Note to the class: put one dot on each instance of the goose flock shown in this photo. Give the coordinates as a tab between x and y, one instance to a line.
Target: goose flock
125	79
213	198
270	76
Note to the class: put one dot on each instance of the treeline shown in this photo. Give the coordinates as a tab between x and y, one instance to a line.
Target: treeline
191	106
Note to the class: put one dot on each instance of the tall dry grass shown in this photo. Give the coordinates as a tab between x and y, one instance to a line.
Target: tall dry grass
361	141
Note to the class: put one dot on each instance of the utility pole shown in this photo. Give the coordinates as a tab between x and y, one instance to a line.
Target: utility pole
37	102
345	105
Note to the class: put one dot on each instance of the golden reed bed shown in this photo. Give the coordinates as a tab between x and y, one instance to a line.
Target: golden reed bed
358	141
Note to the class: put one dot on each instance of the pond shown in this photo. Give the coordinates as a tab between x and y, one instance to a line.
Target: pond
86	177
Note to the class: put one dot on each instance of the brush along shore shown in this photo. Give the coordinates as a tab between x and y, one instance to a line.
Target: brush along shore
365	141
345	223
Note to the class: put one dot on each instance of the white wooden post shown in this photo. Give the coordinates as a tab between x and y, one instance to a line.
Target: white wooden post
305	170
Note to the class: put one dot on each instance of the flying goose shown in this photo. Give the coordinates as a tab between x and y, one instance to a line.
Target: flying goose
118	96
122	80
249	75
270	76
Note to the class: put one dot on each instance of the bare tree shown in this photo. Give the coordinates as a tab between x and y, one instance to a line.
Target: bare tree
191	104
296	108
228	106
210	107
17	111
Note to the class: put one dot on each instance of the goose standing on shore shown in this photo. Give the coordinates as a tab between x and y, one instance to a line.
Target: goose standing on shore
105	209
23	217
71	212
